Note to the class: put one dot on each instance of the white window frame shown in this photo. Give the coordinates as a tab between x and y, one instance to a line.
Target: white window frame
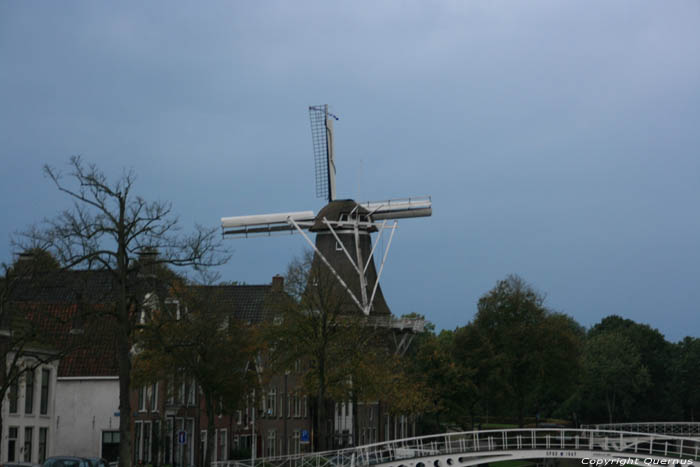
153	399
143	392
271	442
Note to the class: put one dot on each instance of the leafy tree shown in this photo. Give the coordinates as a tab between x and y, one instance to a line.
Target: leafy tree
654	353
311	326
201	339
106	229
686	378
537	350
473	351
446	384
349	356
613	373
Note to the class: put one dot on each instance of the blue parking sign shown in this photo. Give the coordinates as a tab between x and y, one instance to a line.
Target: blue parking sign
304	436
182	437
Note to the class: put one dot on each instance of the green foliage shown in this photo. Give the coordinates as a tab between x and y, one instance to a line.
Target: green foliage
613	373
534	351
196	337
686	378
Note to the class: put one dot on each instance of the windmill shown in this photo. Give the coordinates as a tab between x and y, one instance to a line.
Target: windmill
343	227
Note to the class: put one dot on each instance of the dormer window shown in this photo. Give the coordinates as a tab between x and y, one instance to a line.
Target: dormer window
172	305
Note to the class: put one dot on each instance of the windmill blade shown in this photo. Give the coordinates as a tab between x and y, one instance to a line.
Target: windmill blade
322	139
399	208
262	224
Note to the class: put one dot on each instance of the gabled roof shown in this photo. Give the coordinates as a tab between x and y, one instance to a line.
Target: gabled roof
87	348
59	299
248	303
71	286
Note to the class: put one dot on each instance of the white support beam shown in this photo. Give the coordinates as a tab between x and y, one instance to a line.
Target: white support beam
325	261
381	268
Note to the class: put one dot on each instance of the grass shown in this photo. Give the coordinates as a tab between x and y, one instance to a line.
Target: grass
512	464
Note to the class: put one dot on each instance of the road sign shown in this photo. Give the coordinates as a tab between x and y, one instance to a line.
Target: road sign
304	437
181	437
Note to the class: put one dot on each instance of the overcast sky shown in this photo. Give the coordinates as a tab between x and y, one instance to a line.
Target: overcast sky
559	141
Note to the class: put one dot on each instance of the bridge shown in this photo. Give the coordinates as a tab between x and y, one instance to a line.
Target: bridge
589	446
691	429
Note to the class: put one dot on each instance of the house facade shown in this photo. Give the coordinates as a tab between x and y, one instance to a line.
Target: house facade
75	394
29	411
170	425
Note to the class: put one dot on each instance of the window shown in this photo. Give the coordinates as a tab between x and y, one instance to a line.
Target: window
271	441
297	405
110	445
189	446
155	443
12	444
203	446
192	392
173	307
14	395
295	447
142	398
44	405
146	442
43	433
305	408
28	435
137	442
154	397
188	389
271	401
29	393
239	417
171	391
222	446
168	440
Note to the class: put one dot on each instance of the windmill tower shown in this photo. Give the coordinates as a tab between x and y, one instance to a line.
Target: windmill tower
343	227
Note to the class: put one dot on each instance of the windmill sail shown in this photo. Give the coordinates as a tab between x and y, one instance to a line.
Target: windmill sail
322	138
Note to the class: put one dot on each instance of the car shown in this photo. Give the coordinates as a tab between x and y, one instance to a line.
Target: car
97	462
67	461
19	464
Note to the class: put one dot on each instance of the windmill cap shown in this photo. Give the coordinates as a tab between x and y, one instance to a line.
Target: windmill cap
336	209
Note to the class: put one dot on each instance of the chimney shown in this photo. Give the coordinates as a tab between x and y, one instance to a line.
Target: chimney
26	256
147	258
277	283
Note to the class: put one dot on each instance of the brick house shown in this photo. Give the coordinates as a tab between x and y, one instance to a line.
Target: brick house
166	410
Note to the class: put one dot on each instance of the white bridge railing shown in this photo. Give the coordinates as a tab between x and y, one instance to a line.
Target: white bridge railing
474	447
691	429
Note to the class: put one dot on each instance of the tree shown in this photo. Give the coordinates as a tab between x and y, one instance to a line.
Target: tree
538	351
654	353
613	372
202	341
348	355
686	378
311	327
447	385
106	229
473	351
